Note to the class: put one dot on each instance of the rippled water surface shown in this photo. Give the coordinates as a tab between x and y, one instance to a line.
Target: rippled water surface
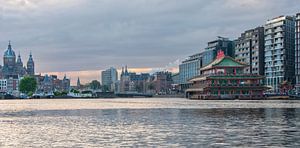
149	123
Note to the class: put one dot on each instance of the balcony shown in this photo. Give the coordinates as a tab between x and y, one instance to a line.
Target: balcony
279	29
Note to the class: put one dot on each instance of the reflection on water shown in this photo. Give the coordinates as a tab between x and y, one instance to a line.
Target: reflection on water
151	127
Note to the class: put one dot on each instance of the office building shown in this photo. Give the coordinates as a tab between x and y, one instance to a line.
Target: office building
189	68
109	77
249	49
221	43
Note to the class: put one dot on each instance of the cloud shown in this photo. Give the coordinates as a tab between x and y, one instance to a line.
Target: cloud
80	35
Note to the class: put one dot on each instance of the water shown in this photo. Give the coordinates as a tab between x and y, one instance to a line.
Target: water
149	122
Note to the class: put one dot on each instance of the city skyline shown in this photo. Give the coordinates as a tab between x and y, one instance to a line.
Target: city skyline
93	36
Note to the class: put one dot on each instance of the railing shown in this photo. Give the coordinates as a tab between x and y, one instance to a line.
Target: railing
233	75
225	85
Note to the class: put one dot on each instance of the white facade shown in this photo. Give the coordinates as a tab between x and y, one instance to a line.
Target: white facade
297	52
3	85
279	51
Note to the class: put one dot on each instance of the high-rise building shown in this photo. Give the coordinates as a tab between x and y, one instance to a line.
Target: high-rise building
109	77
212	48
297	54
249	49
188	69
279	51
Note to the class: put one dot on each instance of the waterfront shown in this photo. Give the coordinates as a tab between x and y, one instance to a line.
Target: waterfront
149	122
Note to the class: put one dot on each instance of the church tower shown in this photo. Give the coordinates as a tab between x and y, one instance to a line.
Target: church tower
78	84
30	65
19	61
9	59
20	70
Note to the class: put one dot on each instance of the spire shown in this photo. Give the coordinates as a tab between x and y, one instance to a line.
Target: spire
9	52
126	71
9	46
65	77
78	82
19	60
122	71
30	57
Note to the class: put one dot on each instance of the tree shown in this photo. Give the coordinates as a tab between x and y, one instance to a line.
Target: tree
95	85
74	91
28	85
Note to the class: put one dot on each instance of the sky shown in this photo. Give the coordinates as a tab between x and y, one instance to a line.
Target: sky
81	37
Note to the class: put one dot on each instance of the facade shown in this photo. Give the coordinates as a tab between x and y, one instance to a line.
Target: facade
162	82
3	85
224	78
109	77
297	54
212	48
279	52
49	84
132	82
139	82
176	78
249	49
189	68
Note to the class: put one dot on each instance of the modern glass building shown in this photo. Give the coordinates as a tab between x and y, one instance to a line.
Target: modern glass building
249	49
221	43
297	54
279	51
189	68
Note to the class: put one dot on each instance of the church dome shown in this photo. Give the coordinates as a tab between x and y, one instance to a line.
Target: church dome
9	52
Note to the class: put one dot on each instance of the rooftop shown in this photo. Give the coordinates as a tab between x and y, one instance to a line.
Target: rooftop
223	61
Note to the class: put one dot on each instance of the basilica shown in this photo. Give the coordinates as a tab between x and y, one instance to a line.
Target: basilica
13	66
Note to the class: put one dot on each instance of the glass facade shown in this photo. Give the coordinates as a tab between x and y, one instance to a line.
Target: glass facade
212	48
190	68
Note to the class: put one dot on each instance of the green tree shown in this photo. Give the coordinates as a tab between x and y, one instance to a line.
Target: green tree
95	85
28	85
74	91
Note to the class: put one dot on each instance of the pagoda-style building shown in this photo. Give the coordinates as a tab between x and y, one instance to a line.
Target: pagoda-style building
224	78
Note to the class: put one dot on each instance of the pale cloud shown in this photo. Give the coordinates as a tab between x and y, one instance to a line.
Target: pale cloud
80	35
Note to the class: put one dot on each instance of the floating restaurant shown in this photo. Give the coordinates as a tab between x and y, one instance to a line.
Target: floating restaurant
224	78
